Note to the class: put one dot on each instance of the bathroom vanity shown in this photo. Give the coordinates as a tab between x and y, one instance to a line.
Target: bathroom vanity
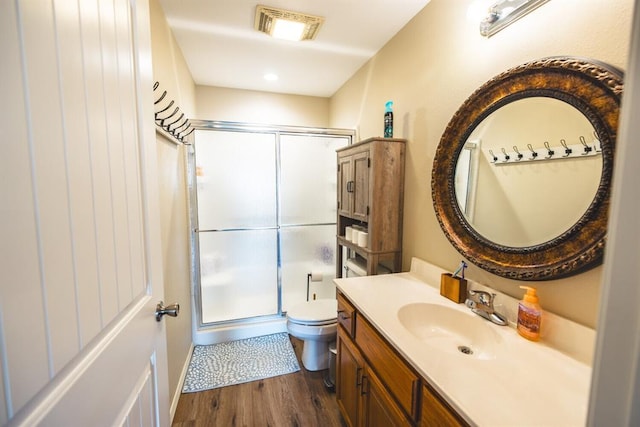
408	356
361	394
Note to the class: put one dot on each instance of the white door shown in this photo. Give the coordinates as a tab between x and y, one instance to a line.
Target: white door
80	242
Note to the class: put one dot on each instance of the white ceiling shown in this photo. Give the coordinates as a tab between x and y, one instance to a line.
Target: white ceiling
222	48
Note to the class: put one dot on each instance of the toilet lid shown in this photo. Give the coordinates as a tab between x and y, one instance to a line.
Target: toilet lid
315	312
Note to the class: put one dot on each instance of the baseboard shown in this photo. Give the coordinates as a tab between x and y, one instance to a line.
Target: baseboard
178	391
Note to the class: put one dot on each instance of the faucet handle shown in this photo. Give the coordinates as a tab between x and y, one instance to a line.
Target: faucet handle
484	297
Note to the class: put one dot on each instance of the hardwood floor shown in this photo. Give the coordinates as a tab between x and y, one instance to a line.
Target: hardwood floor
299	399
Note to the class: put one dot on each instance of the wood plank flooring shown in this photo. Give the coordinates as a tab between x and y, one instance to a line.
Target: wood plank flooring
297	400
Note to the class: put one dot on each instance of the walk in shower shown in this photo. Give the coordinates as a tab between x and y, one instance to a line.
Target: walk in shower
263	213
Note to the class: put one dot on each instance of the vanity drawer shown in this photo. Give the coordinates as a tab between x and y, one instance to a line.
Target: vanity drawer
346	314
399	379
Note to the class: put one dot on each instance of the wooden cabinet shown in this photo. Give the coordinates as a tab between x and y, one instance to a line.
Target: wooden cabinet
371	196
353	191
375	386
362	398
349	371
346	315
378	407
436	413
400	380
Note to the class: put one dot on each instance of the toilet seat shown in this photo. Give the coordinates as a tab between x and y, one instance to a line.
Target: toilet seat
314	313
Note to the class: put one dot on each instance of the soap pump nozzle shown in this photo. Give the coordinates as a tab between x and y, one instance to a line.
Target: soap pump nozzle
530	295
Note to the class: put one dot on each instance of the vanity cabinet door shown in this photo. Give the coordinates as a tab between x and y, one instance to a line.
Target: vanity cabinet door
402	382
349	373
378	407
435	413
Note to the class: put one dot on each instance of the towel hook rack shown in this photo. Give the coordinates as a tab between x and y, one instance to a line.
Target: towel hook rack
174	126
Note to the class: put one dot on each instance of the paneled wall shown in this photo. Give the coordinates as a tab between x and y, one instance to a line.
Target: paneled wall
72	240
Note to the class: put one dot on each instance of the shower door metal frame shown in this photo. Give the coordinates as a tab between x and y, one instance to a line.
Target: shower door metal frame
225	126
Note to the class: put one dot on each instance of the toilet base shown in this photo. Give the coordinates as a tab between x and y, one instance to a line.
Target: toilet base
315	355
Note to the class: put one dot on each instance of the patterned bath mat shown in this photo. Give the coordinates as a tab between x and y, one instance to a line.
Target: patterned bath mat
241	361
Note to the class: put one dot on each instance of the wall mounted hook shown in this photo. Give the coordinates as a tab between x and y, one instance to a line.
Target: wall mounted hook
518	153
587	149
567	150
506	156
495	159
550	152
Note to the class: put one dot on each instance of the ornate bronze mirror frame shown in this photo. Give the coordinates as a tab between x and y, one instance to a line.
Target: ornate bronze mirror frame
594	89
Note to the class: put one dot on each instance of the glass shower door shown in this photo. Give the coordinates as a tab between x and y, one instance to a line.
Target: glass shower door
308	187
237	224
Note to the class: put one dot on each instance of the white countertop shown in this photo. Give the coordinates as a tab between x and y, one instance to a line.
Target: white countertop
525	384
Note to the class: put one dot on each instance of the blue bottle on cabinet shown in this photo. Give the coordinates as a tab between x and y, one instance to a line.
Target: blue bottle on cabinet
388	119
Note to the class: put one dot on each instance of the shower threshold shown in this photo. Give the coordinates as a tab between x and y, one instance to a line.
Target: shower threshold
215	333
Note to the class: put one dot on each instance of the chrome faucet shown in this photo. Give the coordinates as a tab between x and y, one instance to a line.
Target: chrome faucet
481	303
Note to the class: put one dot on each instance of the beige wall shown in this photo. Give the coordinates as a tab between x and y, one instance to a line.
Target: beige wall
236	105
170	70
431	66
169	66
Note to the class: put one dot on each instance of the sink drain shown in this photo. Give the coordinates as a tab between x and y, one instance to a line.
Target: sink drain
464	349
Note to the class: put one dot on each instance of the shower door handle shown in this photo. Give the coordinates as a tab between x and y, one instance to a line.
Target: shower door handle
171	310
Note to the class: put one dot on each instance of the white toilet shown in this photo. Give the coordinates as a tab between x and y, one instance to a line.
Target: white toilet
316	323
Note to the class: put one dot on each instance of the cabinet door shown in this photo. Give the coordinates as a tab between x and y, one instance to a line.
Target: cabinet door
402	382
378	408
435	413
360	186
345	201
349	372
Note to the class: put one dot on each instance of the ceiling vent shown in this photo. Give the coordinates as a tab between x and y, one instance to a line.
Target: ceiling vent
271	21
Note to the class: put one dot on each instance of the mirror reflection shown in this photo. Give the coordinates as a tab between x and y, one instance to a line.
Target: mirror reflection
525	203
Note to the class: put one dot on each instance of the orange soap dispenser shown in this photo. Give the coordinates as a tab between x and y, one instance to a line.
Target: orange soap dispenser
529	315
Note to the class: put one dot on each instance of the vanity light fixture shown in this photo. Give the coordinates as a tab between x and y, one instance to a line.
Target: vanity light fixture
505	12
287	25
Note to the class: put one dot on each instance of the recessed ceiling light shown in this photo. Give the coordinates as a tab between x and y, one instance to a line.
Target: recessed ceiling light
286	24
271	77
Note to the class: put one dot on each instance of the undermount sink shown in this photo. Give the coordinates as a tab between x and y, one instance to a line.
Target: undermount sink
450	330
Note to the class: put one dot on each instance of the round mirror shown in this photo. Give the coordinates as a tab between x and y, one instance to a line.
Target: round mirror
521	176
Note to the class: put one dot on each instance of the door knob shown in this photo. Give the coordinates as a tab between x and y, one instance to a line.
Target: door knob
171	310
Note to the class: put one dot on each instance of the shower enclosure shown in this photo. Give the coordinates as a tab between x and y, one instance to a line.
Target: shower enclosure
263	203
